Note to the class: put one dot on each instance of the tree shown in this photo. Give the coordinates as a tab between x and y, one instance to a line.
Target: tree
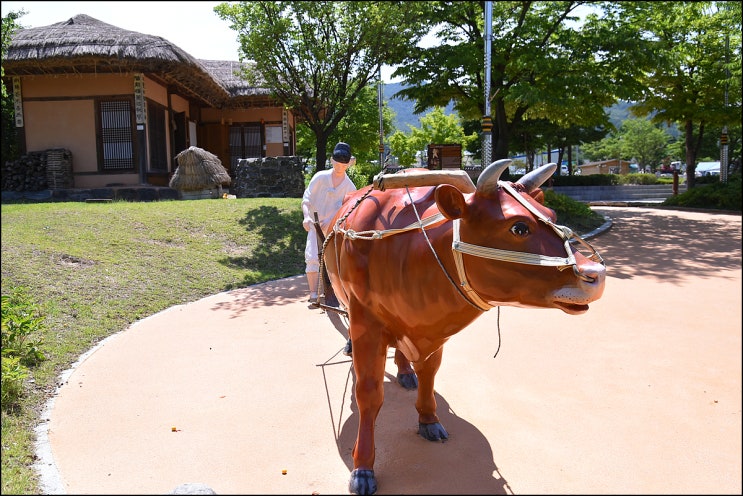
436	127
544	65
637	139
318	57
10	149
607	148
359	128
688	84
646	143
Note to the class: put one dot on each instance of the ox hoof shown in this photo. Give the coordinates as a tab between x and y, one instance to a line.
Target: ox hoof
362	482
433	432
408	381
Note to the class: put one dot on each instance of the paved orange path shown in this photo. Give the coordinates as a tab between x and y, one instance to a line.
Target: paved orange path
640	395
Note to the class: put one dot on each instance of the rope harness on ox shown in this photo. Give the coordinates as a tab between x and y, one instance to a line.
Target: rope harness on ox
460	247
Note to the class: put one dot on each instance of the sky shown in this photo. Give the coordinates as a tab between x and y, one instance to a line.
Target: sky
192	26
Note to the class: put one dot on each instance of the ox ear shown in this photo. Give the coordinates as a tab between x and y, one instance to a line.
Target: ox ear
537	177
538	195
450	201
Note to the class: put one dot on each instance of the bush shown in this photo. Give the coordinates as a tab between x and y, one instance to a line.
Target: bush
13	375
575	214
611	180
717	195
362	174
589	180
20	320
638	179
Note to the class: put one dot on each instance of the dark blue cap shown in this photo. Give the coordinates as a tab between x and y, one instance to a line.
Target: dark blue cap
342	153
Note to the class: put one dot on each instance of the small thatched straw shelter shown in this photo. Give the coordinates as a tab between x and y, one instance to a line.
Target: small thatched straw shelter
199	170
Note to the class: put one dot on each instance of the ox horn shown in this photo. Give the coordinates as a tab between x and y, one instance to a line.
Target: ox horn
537	177
489	178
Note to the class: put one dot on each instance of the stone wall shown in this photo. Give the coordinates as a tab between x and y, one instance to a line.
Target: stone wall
269	177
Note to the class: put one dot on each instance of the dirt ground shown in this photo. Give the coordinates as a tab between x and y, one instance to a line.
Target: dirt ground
640	395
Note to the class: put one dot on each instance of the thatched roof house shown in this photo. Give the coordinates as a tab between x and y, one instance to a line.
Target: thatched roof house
83	44
86	71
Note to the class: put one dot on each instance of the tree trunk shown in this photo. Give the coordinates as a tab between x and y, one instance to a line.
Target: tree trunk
501	132
570	160
692	148
321	154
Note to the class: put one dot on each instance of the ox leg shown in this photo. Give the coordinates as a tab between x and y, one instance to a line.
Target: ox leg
405	374
369	357
428	422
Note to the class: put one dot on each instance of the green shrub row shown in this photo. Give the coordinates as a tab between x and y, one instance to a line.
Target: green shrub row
714	195
362	174
612	180
573	213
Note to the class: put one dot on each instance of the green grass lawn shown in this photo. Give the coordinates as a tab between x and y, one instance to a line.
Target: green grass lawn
95	268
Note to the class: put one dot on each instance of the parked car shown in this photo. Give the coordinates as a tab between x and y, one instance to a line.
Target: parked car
707	169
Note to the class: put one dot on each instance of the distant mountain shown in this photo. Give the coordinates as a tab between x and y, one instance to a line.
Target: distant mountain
619	112
403	109
404	116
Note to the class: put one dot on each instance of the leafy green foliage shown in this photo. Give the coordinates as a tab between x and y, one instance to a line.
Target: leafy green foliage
637	139
716	195
641	179
9	26
644	142
10	149
21	342
435	127
362	174
13	375
589	180
545	66
319	57
696	80
359	128
577	215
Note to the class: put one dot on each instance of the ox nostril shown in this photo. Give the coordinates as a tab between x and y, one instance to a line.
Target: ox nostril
583	276
590	273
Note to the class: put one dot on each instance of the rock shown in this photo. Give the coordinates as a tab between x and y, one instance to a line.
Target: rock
192	488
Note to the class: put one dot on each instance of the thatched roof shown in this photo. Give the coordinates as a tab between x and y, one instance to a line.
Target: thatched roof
198	169
227	72
83	44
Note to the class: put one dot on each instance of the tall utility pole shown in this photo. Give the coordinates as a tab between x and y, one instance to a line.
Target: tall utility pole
381	121
487	122
724	135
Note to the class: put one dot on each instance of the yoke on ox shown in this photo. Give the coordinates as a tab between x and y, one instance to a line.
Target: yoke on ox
413	265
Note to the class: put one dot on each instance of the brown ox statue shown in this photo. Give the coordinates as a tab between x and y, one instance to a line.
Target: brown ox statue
415	265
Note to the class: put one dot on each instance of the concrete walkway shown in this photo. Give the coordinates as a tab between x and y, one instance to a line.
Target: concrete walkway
247	391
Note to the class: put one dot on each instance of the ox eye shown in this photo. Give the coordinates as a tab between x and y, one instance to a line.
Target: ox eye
520	229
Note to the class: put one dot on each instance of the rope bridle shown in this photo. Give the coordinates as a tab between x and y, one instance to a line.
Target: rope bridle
565	233
460	247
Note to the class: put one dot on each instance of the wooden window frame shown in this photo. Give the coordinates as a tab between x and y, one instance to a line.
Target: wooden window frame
112	140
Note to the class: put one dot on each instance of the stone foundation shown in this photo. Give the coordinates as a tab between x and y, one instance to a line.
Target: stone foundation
269	177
